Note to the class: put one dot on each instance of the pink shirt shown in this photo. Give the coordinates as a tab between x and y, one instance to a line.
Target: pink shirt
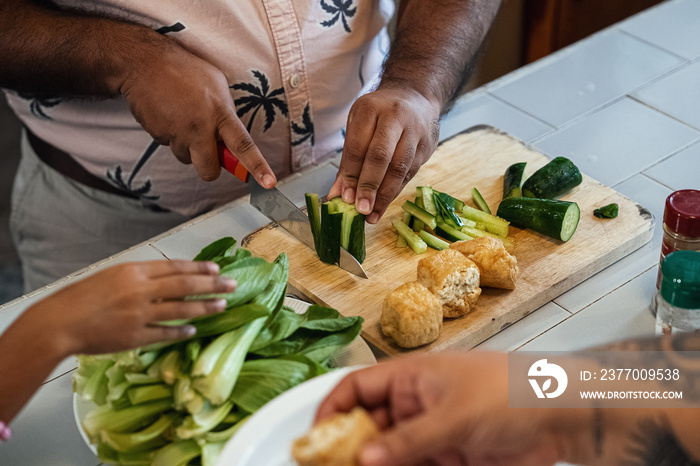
294	68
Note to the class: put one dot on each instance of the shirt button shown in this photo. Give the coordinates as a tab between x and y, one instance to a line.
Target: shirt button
295	80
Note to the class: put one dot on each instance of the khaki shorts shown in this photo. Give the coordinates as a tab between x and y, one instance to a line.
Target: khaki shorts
60	226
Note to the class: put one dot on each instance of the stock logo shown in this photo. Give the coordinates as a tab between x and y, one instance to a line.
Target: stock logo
542	370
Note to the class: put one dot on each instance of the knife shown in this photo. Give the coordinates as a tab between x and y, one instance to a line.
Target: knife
278	208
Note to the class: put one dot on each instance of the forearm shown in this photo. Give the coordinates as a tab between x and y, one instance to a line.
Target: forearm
29	354
436	46
56	52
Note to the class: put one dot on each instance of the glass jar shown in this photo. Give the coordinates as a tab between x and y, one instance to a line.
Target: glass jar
678	299
681	227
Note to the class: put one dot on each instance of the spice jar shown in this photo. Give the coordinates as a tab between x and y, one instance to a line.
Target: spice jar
678	299
681	227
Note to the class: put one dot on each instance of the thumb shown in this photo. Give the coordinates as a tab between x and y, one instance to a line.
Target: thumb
409	442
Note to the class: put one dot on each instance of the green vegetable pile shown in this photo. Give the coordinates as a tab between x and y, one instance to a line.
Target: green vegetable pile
435	219
178	403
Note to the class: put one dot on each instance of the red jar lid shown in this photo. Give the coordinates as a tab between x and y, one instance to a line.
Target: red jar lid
682	213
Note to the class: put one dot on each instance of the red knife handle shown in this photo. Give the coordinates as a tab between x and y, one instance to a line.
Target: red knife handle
231	164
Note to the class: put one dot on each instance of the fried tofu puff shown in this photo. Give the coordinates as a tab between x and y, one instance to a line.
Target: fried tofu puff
498	268
335	441
453	279
411	315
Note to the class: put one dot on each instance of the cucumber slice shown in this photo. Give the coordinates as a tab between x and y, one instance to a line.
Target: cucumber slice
433	241
512	180
418	224
475	233
331	224
451	234
556	219
491	223
479	201
414	241
557	177
420	214
314	214
401	241
428	203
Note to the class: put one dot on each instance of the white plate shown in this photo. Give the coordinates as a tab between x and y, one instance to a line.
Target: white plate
266	438
356	353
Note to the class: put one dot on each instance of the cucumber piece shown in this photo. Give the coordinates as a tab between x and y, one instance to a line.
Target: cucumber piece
512	180
557	177
479	201
401	241
556	219
314	214
451	234
491	223
420	214
341	226
331	224
414	241
418	225
444	204
355	223
608	211
428	203
433	241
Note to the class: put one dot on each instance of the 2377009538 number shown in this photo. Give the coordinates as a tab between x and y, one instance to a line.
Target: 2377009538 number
639	374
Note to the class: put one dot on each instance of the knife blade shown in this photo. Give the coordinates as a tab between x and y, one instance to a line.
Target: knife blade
279	208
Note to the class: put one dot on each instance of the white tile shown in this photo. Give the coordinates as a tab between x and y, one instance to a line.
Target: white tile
525	329
484	109
584	77
621	315
237	222
619	141
45	432
672	26
680	171
652	196
677	94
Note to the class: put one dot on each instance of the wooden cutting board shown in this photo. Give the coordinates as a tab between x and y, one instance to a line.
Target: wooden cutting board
475	158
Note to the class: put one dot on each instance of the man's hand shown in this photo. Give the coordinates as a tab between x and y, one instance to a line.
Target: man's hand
451	409
185	103
391	132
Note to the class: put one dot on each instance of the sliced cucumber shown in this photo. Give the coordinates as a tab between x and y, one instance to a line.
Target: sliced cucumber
557	177
425	217
314	214
556	219
479	201
451	234
433	241
428	203
414	241
340	225
491	223
512	180
418	224
475	233
401	241
331	224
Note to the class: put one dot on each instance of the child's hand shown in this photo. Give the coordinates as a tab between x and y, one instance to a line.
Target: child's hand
119	308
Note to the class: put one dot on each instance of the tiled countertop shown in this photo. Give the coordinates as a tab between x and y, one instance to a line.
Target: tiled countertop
623	104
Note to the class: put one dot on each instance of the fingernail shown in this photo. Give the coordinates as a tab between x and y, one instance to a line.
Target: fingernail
349	195
374	454
212	267
363	206
189	331
228	282
218	304
268	181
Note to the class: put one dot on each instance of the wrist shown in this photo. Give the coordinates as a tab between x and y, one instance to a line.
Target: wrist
42	323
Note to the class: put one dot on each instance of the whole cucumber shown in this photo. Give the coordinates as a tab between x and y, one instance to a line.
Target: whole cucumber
557	177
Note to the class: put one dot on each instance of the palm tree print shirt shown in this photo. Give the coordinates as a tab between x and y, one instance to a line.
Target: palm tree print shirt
294	68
